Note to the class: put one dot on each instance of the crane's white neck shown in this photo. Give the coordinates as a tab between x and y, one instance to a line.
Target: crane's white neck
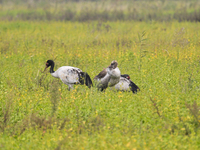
54	74
114	73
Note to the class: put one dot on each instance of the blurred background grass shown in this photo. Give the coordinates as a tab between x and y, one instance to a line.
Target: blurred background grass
105	10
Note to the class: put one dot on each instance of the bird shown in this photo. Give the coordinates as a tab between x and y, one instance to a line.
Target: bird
108	77
125	84
69	75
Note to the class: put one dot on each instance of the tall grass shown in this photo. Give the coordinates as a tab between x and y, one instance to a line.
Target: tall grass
82	11
38	112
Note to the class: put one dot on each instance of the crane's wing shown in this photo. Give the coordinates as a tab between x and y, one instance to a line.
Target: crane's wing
100	75
69	75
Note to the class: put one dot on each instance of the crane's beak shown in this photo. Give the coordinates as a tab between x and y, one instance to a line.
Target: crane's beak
45	67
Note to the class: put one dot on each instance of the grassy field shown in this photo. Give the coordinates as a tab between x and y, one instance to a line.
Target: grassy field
38	112
107	10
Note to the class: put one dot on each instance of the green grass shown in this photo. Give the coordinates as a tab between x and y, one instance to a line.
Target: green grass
38	112
93	10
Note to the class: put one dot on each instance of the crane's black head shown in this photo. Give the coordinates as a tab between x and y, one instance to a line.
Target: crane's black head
113	64
126	76
49	63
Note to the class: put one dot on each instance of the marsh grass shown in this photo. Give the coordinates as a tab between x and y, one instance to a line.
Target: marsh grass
54	90
38	112
100	10
6	113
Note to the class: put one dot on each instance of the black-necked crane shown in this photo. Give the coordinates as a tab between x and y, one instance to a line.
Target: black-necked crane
125	84
69	75
108	77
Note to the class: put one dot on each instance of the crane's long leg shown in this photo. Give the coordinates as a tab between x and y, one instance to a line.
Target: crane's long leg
70	86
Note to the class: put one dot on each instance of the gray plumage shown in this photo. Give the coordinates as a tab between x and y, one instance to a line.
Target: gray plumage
108	77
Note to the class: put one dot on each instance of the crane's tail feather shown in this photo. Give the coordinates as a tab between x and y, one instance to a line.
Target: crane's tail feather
134	87
85	79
